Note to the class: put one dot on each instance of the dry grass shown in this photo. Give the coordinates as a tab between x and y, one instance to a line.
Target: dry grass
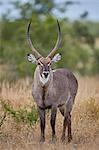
85	119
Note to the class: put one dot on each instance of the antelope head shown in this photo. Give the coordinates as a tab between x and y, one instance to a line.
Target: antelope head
44	63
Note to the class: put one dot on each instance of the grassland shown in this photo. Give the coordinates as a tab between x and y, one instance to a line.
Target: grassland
19	135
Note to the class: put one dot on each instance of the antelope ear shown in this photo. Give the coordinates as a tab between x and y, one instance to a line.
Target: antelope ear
31	58
56	58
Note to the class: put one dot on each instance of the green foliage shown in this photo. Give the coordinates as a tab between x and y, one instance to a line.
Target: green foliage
21	115
78	45
39	7
82	33
95	67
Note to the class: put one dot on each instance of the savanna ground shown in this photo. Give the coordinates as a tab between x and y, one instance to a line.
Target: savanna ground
19	135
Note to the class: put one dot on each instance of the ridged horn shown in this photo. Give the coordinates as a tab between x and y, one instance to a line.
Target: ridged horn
35	52
58	42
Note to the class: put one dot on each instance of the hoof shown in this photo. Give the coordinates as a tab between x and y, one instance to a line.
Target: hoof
63	138
42	139
70	138
54	139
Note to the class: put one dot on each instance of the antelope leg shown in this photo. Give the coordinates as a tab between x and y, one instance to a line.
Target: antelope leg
52	121
42	124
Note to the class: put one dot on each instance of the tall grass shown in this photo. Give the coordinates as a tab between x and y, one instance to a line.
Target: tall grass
20	129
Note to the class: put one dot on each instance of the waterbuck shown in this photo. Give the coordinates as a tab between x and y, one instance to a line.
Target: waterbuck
52	89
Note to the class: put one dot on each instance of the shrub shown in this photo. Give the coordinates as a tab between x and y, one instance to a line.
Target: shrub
21	115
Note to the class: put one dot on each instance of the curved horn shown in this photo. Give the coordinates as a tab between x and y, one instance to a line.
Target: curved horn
51	54
35	52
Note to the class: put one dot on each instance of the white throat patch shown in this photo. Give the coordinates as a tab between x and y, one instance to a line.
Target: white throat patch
43	79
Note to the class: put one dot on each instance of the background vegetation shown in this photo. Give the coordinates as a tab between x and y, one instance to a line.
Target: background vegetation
79	48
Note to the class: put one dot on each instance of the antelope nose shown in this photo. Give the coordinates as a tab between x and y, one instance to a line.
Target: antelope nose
45	74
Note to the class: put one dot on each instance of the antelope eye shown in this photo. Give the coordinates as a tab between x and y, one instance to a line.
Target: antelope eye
49	64
41	64
38	63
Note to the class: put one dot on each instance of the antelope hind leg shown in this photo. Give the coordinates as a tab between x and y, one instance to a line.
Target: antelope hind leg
62	110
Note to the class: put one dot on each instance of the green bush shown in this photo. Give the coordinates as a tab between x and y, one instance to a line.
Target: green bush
78	42
21	115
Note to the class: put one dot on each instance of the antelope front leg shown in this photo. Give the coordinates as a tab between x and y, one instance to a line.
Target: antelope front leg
52	121
42	124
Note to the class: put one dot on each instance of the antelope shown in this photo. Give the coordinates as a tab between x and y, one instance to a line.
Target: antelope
52	89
